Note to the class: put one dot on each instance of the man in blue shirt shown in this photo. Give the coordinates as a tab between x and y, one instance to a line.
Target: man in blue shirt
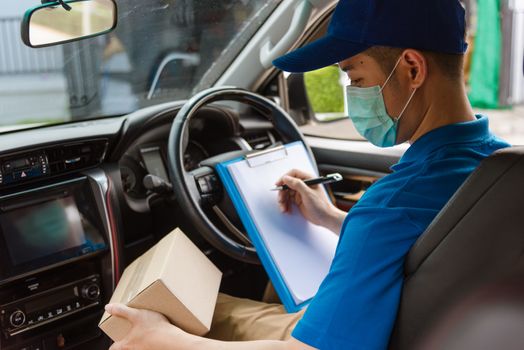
404	59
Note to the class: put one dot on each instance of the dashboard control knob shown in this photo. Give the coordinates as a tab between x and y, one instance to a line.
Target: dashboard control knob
17	319
91	291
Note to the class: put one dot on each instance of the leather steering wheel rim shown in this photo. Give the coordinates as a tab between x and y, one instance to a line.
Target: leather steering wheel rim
184	183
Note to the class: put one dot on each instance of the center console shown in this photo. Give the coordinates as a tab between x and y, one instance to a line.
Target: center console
56	263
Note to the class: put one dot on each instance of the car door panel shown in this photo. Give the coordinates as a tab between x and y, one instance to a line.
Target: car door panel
360	163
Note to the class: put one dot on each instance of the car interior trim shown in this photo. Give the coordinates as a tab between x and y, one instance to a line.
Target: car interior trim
103	185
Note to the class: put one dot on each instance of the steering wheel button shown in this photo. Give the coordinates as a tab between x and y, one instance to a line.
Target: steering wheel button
203	185
212	181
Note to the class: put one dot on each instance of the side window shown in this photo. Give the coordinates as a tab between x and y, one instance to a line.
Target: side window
325	91
327	99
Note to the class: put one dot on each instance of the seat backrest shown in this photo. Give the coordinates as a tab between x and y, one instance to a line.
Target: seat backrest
477	238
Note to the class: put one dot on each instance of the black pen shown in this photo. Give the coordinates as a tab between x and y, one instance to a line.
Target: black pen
312	182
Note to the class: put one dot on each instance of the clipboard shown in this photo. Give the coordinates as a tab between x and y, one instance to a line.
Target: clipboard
296	254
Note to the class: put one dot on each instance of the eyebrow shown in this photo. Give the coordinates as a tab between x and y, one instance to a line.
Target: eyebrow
347	67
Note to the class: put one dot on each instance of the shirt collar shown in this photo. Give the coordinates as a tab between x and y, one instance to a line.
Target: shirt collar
475	130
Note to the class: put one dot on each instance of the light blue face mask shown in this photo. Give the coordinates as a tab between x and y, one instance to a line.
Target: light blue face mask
367	110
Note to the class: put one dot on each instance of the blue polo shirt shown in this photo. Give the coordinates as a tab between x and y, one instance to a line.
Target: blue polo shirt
356	305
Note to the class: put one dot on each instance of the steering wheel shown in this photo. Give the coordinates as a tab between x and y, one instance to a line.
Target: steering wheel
197	190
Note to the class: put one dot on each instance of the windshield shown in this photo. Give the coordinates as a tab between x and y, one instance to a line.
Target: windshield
161	50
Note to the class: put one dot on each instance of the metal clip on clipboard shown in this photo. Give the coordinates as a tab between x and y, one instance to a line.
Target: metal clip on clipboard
266	156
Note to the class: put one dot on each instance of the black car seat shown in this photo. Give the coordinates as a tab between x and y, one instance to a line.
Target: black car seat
477	238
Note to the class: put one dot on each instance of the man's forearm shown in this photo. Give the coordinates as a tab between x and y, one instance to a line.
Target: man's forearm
209	344
198	343
173	340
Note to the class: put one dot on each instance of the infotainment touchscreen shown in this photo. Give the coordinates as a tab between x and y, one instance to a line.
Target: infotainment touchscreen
37	233
44	229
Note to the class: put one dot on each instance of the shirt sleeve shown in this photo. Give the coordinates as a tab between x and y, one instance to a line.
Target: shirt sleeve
356	305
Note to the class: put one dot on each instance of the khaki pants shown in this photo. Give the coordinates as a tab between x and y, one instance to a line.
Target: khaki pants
237	319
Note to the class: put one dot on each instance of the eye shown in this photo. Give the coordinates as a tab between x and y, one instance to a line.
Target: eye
356	82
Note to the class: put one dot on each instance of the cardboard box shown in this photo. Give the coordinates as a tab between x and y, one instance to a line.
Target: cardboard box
173	278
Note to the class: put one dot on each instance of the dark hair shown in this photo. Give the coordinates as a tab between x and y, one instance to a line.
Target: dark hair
450	65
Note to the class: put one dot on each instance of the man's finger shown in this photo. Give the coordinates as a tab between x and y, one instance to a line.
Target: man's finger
122	310
115	346
294	173
300	174
295	184
290	200
282	201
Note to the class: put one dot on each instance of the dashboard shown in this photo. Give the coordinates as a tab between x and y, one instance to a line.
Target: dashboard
213	131
75	209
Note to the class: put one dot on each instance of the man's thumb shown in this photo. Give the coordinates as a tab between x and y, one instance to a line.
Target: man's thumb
121	310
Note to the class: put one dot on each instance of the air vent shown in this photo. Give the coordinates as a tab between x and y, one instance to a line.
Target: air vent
74	157
259	140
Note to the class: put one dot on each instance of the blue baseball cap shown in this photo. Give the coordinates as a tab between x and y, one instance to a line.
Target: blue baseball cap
356	25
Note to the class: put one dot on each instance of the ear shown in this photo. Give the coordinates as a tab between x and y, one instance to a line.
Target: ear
416	67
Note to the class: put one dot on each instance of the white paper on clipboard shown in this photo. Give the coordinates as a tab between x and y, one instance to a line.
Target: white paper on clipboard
302	252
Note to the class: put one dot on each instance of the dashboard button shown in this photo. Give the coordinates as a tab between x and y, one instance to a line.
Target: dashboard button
17	319
91	291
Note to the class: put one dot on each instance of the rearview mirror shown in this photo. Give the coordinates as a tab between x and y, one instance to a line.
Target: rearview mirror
64	21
